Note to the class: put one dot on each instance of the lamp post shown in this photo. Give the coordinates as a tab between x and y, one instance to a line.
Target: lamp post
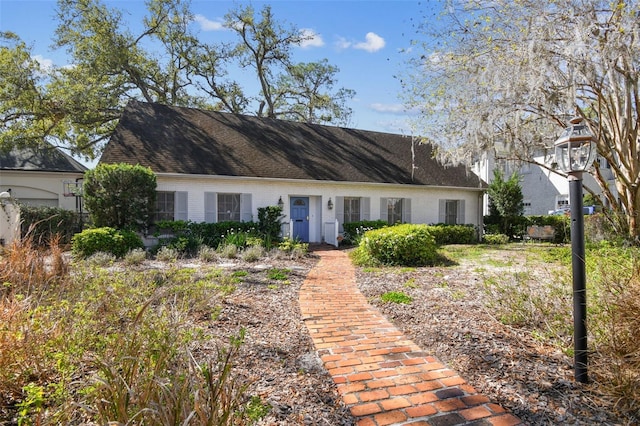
575	152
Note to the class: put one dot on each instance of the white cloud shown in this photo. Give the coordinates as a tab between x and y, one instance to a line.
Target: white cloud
398	109
45	64
311	38
207	24
343	43
373	43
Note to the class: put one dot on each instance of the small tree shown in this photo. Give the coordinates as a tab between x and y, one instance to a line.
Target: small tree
506	203
120	196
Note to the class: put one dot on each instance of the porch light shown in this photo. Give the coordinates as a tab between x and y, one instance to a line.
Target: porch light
330	204
575	151
280	202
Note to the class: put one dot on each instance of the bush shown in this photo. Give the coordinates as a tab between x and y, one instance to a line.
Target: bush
495	239
353	231
43	223
270	224
453	234
167	254
135	257
252	253
120	195
106	240
403	245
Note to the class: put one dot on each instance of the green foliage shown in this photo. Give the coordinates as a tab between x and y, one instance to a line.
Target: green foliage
42	223
292	246
453	234
278	274
396	297
353	231
495	239
256	409
106	239
270	224
120	196
403	245
506	204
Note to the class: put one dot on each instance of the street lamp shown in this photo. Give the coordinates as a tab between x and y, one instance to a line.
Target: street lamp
575	151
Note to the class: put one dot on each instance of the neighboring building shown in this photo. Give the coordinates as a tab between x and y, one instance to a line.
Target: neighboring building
543	191
43	176
214	166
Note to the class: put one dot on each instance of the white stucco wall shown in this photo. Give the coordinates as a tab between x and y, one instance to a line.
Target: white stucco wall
541	188
44	188
266	192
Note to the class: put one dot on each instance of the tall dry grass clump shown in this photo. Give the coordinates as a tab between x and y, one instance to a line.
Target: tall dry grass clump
616	363
27	275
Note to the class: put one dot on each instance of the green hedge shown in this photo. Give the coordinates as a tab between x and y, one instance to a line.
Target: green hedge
42	223
405	245
353	231
453	234
106	239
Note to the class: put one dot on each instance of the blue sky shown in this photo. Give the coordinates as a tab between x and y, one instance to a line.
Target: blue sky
364	39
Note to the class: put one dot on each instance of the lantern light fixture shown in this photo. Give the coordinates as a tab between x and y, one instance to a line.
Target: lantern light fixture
330	204
280	202
575	149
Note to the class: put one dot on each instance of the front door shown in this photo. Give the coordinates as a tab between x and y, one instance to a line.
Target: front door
300	217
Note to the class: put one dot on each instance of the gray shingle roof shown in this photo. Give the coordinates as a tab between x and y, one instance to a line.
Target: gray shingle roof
193	141
42	159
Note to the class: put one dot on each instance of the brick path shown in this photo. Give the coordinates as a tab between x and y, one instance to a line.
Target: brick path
383	377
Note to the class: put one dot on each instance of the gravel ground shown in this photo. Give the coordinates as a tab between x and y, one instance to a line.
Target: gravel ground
447	318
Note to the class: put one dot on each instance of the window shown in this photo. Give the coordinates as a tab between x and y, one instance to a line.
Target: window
527	207
165	206
394	210
452	212
351	209
228	207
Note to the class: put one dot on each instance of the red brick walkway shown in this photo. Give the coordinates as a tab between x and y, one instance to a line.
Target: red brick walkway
383	377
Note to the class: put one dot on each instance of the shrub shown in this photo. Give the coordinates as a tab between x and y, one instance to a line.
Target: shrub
167	254
289	246
453	234
353	231
252	253
106	239
207	254
100	258
495	239
135	256
42	223
229	251
404	245
269	223
121	196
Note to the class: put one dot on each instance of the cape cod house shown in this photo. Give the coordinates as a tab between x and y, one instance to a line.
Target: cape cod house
213	166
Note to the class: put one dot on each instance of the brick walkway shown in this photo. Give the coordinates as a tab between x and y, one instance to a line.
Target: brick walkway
383	377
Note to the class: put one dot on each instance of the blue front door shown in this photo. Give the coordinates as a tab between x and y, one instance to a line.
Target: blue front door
300	217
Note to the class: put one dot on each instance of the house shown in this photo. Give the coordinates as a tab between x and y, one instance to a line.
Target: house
543	190
214	166
41	176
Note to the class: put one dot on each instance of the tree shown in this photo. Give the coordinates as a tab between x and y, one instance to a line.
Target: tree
77	107
120	196
506	202
304	100
512	74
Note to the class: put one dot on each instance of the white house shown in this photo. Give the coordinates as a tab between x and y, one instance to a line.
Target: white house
543	190
41	176
214	166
